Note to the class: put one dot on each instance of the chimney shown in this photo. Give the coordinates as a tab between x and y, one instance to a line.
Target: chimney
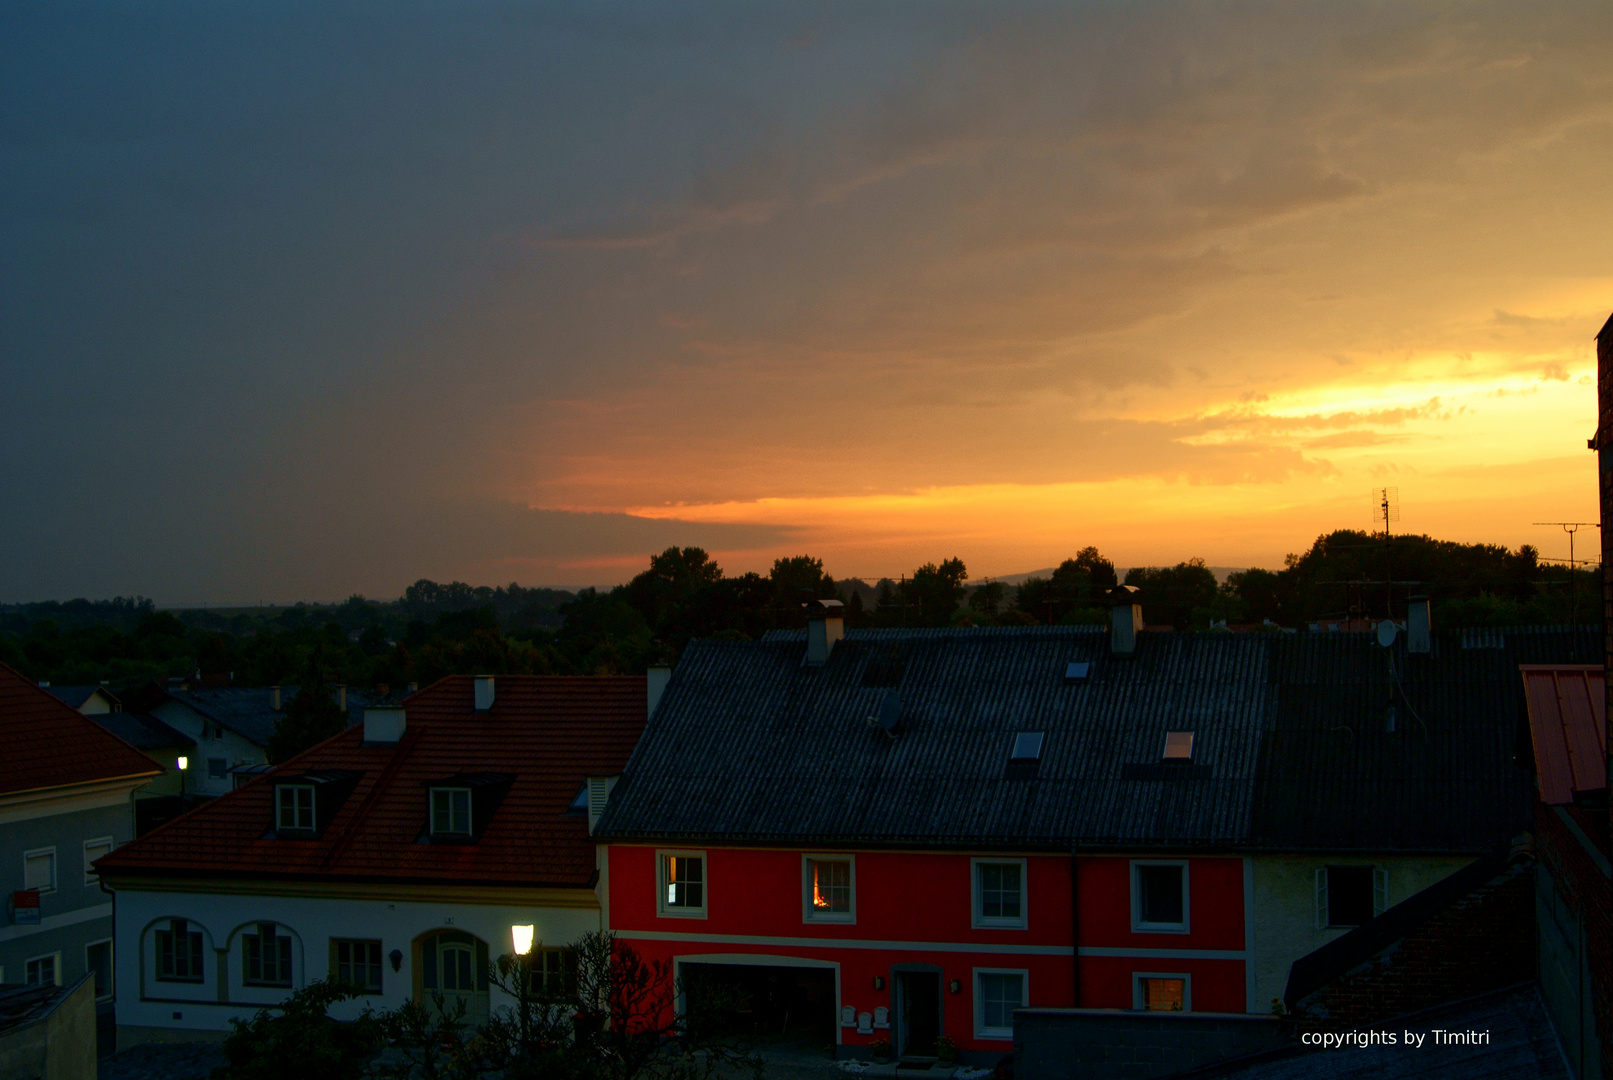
599	789
826	624
484	693
1418	626
655	680
412	688
341	696
1125	619
383	726
274	698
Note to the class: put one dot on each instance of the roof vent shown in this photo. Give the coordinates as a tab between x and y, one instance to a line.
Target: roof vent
383	727
599	789
890	714
484	693
1125	619
826	624
1077	671
1418	626
655	680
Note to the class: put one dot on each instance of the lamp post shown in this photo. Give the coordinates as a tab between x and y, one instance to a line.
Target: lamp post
183	763
521	939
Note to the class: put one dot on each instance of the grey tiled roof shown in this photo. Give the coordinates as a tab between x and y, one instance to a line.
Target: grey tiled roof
249	712
749	744
76	696
141	731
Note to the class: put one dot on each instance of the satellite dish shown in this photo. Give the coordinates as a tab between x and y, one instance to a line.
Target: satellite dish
890	711
1386	633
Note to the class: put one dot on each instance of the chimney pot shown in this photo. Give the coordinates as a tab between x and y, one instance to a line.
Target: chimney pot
655	680
274	698
1419	628
384	726
1125	619
826	624
484	693
341	696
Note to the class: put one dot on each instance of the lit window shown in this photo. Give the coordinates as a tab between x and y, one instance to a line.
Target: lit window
94	849
1161	993
450	811
39	869
683	883
179	953
1000	893
295	808
829	893
41	971
1178	746
358	963
997	995
267	957
1159	897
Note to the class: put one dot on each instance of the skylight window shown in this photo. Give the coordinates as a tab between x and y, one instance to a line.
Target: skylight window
1077	671
1028	746
1178	746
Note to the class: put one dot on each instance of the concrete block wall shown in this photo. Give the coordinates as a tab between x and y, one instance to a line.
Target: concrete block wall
1073	1044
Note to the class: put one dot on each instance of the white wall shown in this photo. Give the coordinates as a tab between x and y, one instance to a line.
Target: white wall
234	749
1285	907
223	919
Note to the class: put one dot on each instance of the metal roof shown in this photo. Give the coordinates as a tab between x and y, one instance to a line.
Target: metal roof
1568	728
750	745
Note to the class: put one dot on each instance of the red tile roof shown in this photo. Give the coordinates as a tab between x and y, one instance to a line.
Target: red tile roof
1568	724
549	732
44	743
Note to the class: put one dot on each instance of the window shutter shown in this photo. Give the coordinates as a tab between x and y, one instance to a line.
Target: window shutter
1321	898
599	789
1380	890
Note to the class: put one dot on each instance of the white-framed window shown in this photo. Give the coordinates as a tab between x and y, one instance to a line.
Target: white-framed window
1350	895
98	961
681	884
43	970
1159	896
357	963
450	811
94	849
294	807
179	953
829	888
39	869
266	957
998	992
1161	991
999	893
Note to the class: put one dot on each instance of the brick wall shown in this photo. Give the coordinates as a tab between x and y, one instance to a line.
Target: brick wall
1484	941
1586	895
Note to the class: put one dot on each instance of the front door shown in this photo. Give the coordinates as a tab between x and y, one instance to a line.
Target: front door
918	1013
454	968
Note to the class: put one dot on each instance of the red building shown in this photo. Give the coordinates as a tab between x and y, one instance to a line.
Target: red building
894	836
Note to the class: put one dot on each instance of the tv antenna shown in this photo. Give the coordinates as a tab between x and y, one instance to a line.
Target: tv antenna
1571	527
1385	506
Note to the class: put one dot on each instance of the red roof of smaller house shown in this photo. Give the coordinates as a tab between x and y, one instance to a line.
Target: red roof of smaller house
44	743
1568	724
550	733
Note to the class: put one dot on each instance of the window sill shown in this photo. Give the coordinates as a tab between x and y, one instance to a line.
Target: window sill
999	1034
681	913
999	924
1160	928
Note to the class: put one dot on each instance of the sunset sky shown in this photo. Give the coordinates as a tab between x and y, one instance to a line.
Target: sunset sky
305	299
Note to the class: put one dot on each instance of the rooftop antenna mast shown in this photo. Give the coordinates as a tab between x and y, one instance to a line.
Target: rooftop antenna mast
1571	527
1386	508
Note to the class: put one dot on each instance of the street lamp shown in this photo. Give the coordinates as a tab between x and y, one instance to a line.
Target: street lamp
183	763
521	938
